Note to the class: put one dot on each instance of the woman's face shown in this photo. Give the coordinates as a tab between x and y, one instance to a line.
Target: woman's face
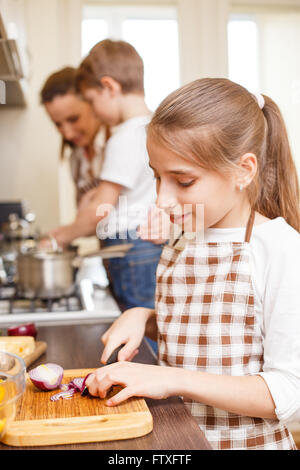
74	119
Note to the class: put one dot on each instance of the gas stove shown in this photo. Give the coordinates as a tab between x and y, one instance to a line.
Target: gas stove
87	304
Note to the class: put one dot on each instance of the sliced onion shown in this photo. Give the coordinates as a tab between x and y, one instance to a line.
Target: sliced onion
65	395
78	383
47	376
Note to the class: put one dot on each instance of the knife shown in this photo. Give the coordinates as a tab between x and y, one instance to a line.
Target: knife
111	360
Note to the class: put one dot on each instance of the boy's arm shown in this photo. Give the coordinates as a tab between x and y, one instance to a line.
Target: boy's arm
86	221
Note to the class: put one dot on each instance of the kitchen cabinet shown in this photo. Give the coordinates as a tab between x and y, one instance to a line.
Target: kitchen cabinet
79	346
14	63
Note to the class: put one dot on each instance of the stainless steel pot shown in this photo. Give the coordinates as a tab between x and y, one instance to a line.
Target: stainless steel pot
45	275
51	274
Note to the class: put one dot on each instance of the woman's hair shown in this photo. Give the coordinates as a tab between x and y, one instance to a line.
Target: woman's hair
214	122
59	84
116	59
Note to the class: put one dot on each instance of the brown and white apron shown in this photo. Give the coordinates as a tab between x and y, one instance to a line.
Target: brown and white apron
89	181
207	322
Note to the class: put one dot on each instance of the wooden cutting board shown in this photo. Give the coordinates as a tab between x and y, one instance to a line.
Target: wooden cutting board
41	422
40	348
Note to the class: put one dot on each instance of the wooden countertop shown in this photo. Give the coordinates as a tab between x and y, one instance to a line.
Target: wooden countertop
79	346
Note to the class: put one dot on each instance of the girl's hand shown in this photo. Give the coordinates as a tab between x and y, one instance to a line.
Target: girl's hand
128	329
138	380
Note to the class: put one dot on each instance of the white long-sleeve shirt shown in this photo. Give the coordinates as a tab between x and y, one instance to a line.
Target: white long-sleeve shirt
275	263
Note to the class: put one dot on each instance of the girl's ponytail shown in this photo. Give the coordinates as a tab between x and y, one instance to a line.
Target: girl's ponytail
279	195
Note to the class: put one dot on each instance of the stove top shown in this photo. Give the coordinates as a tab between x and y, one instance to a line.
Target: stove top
13	302
87	304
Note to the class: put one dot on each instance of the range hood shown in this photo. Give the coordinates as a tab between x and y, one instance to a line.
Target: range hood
10	64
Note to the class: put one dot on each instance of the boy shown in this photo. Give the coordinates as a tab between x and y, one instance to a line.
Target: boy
111	78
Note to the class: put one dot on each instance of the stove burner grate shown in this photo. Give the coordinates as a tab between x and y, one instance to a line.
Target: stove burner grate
12	301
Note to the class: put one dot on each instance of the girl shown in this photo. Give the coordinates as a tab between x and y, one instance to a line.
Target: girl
227	305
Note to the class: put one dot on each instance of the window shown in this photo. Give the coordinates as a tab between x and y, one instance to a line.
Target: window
243	58
263	56
153	31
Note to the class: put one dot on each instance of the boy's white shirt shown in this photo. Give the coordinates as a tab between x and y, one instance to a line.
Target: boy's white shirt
126	163
275	264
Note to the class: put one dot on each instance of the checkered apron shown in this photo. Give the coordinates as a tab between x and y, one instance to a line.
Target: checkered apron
207	322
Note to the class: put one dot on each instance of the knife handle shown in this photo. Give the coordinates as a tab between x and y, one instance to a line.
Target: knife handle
114	356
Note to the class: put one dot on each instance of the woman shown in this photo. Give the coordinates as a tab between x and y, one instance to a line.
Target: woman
83	134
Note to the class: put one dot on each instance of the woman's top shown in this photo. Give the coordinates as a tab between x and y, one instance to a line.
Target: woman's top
86	173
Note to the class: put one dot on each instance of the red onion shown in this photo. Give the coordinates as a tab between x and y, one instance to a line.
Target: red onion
68	390
28	329
78	383
66	395
47	376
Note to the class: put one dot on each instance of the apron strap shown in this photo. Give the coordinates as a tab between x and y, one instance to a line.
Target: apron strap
250	226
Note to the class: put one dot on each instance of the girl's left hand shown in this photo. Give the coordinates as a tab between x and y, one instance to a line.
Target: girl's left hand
139	380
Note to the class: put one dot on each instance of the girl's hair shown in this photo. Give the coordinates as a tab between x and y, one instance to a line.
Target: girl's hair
214	122
116	59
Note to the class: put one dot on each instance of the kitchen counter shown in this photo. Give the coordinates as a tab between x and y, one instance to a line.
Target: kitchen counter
79	346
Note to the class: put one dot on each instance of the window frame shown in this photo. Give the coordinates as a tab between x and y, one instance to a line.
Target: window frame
116	16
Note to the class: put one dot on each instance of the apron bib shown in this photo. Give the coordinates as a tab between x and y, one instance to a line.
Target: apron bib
207	322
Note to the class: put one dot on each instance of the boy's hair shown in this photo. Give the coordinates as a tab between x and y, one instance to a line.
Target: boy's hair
214	122
116	59
59	83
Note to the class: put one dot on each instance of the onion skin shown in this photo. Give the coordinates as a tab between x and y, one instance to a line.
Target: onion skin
28	329
43	384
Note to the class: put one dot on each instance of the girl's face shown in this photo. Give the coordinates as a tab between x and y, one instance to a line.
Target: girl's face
74	119
184	188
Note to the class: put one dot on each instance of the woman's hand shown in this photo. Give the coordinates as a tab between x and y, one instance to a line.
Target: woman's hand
137	380
128	329
63	235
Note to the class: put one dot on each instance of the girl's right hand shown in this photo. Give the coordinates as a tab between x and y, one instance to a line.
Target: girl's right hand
128	329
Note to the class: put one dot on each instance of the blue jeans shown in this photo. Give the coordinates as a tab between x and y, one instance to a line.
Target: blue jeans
133	278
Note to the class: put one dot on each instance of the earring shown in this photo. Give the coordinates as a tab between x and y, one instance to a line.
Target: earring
241	188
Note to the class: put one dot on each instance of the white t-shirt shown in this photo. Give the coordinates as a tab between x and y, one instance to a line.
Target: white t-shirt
126	163
275	260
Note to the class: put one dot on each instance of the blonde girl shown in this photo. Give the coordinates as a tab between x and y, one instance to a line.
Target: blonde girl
227	313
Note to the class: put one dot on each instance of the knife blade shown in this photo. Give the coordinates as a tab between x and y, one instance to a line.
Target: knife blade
111	360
